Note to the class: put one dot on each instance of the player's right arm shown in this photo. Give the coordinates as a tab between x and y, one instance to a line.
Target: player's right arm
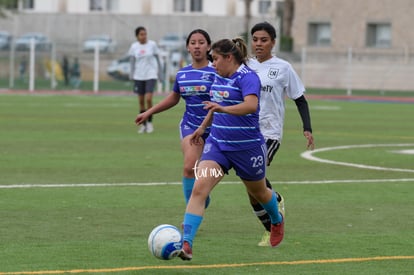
171	100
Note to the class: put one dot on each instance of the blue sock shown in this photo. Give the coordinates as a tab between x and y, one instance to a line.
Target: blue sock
188	184
191	224
271	208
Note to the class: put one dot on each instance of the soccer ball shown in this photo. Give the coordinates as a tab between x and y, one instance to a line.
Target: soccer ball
165	242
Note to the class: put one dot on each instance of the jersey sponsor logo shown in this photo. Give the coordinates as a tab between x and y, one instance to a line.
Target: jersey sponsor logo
141	52
266	88
273	73
218	96
191	90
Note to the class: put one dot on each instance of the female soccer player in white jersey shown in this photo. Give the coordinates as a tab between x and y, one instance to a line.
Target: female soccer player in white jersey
145	70
235	141
192	83
278	80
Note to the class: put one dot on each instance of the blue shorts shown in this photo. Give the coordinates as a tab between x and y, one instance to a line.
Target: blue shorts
186	130
249	164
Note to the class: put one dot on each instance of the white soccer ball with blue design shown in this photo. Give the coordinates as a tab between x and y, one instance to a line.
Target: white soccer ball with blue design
165	242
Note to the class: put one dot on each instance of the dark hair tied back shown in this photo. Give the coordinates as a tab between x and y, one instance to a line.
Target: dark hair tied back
235	47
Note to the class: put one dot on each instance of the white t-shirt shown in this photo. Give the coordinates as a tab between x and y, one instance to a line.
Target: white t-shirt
278	80
146	64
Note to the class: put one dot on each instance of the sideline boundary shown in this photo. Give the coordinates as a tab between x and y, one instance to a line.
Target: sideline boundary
71	185
212	266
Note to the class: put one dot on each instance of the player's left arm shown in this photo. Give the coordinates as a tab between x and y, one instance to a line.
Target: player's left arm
160	68
303	108
196	136
248	106
132	64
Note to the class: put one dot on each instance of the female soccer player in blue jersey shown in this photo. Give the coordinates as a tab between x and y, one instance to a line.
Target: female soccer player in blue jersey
192	83
235	141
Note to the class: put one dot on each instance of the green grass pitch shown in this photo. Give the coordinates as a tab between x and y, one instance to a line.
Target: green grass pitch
80	191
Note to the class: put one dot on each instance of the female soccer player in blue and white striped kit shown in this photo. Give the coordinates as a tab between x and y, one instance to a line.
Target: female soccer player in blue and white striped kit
192	83
235	141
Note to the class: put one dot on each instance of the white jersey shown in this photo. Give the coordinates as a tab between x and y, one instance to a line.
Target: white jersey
146	64
278	80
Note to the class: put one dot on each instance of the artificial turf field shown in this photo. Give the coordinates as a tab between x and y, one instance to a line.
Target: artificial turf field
80	191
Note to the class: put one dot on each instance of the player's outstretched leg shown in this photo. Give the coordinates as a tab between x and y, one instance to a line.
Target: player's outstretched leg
186	253
190	227
264	217
277	227
187	185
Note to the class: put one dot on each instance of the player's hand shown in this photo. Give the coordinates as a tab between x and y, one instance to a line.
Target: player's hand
213	106
141	118
196	136
310	145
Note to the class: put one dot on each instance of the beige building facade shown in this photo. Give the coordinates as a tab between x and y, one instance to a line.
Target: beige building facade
355	44
334	25
346	44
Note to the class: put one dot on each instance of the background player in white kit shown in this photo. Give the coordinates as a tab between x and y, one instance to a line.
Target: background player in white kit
278	80
145	70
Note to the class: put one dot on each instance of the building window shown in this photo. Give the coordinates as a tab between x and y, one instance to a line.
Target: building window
319	34
196	5
27	4
264	6
95	5
188	5
112	5
379	35
179	5
104	5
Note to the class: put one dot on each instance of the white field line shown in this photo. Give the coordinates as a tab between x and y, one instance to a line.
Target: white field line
309	155
63	185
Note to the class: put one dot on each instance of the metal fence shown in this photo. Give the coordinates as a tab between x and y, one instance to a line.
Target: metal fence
25	69
348	69
356	69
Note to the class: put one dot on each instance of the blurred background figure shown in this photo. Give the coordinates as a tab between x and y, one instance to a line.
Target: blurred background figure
75	74
65	68
145	70
22	68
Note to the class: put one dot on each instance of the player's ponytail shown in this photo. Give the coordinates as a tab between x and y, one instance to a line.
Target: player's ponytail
236	47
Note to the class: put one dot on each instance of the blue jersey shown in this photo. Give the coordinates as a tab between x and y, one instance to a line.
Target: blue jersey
232	132
194	87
